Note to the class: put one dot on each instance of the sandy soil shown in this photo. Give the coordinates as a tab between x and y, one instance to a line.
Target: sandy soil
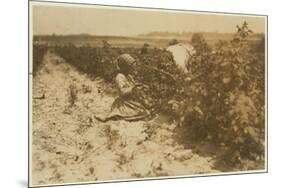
70	145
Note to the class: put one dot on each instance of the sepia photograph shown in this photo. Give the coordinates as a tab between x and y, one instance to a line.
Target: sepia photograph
127	93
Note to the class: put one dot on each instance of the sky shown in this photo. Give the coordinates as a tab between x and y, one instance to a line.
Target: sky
101	20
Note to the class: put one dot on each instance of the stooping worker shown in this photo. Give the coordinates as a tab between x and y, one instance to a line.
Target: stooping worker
130	104
182	54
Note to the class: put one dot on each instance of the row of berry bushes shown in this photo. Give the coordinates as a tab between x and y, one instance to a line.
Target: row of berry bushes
38	54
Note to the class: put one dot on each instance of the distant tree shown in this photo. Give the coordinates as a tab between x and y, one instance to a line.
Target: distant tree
199	43
106	45
144	48
197	38
173	42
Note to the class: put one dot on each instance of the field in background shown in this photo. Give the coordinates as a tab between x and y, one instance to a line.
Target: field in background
157	40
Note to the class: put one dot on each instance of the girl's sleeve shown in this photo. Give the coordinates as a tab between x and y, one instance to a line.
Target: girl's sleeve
123	84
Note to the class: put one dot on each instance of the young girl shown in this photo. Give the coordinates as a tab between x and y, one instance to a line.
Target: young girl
129	105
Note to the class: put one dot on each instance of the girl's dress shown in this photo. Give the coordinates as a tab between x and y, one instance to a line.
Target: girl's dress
128	105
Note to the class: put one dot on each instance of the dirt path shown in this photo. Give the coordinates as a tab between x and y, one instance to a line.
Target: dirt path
69	145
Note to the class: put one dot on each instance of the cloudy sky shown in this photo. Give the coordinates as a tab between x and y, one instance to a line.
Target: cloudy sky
101	20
